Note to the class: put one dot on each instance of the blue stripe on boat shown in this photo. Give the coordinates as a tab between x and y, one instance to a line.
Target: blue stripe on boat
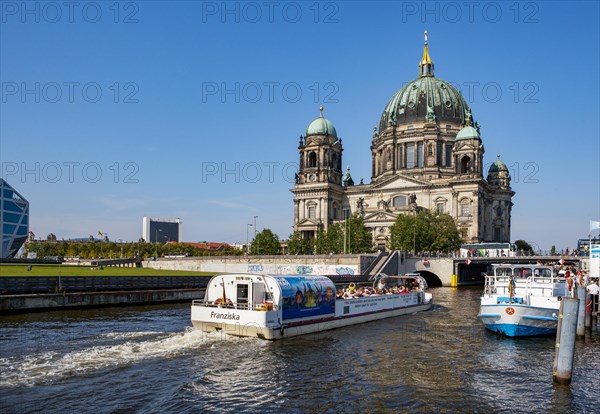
489	315
513	330
539	318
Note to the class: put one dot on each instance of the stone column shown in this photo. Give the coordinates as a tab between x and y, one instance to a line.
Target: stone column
296	211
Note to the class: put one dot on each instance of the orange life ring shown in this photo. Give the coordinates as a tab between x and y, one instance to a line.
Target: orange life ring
510	311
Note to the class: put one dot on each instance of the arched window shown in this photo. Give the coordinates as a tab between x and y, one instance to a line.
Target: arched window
334	160
465	164
430	150
399	201
312	160
465	208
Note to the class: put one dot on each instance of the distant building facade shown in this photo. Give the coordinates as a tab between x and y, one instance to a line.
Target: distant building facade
161	230
14	220
426	152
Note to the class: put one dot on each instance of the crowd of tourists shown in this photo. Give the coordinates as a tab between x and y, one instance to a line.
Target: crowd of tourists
354	291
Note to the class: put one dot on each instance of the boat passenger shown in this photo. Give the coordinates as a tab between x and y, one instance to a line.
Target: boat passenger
415	284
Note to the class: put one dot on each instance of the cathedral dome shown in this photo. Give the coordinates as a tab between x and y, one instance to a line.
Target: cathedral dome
321	126
426	98
468	132
411	103
498	166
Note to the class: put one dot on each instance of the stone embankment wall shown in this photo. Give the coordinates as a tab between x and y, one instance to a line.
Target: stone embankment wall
27	303
290	265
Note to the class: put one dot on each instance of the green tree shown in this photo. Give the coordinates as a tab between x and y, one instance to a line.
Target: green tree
353	235
523	245
321	243
424	231
553	250
298	245
266	242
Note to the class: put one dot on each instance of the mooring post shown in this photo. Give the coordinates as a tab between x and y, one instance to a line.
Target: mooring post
581	296
565	340
588	311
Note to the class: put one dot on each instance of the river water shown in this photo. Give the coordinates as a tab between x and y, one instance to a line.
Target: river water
149	359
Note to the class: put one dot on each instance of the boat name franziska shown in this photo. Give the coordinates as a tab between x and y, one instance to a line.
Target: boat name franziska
229	316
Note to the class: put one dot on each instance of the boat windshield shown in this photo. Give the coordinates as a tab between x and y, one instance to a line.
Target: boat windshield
523	272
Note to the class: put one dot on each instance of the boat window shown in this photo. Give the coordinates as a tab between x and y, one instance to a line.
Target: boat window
542	273
523	272
504	271
242	293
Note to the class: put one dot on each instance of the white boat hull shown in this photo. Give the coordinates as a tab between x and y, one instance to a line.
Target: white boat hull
515	319
254	329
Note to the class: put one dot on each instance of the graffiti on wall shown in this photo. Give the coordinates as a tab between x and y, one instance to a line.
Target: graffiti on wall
255	268
317	270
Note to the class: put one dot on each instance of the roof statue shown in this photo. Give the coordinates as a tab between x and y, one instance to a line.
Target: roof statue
348	181
468	117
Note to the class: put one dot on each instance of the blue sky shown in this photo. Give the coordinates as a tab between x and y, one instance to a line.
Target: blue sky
194	109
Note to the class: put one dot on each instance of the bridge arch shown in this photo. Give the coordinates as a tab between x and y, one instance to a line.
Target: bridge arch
431	278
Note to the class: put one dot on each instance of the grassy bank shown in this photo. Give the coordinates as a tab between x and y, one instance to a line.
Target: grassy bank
66	270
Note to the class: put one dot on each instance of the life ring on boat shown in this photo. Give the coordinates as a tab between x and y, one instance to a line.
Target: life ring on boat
510	311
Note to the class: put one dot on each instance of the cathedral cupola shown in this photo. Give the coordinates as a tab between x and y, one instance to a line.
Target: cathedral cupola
498	175
320	153
321	126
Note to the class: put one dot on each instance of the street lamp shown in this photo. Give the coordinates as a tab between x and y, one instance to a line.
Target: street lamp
102	241
257	246
535	247
415	231
247	241
156	240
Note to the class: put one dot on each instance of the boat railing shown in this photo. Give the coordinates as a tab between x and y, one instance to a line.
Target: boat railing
490	285
265	306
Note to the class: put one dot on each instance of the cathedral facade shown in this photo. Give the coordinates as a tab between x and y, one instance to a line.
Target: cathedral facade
426	152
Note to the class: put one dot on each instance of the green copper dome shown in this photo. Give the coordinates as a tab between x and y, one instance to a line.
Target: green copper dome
498	166
468	132
425	98
321	126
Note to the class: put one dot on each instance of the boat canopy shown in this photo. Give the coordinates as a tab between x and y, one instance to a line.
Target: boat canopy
298	297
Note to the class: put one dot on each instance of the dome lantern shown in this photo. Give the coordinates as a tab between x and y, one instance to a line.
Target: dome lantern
426	65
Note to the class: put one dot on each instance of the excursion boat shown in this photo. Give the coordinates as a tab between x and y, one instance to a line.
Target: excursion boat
522	300
273	306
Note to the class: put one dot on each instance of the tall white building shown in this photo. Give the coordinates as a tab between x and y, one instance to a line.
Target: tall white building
426	152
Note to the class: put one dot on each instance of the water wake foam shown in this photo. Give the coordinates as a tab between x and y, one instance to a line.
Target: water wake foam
43	367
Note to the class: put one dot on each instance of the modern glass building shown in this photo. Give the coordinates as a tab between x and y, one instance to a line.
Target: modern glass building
14	220
161	230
